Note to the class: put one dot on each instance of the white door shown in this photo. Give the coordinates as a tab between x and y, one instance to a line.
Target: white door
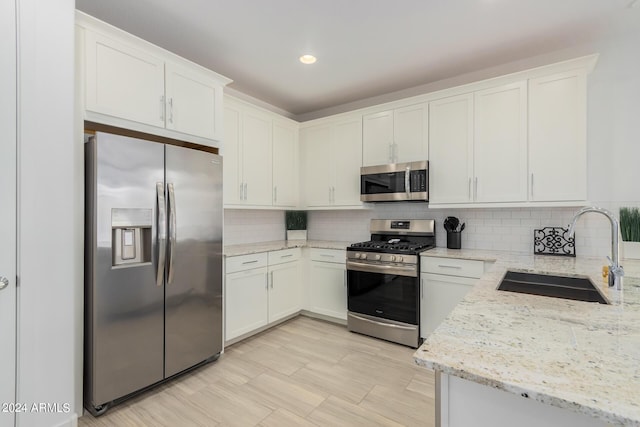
192	100
256	158
439	296
318	157
410	133
232	155
557	137
8	142
245	302
284	290
451	149
377	138
500	144
285	159
122	81
347	158
328	289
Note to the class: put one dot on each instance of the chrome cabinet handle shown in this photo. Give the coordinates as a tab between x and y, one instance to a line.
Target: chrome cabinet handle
250	262
4	282
162	233
246	187
162	108
286	256
172	231
421	288
407	182
532	185
449	266
272	280
170	110
475	190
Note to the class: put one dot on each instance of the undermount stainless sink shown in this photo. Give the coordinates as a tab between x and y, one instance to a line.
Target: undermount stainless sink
574	288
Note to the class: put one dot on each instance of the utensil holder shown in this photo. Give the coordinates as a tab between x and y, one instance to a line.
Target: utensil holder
453	239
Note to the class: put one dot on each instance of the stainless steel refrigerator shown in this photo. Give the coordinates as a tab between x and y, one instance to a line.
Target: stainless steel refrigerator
153	264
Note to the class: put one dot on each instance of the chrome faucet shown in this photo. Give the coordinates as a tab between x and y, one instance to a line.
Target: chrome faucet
615	269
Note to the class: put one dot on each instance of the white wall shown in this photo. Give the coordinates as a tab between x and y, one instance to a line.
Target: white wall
48	258
247	226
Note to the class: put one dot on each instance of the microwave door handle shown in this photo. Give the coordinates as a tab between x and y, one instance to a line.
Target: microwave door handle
407	182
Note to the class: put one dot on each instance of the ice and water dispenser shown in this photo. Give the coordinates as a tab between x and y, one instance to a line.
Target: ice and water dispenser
131	236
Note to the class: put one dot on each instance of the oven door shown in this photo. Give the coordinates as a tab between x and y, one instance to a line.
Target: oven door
388	295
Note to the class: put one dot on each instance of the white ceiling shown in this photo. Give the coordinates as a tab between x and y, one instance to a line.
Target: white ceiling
365	48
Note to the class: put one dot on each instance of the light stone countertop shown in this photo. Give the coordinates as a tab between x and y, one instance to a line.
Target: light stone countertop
254	248
575	355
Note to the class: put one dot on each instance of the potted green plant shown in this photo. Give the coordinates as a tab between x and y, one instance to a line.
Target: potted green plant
630	230
296	223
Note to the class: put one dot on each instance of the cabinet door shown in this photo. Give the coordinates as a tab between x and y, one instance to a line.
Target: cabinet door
232	155
256	156
347	159
377	138
557	137
245	302
410	134
284	290
451	149
317	163
328	289
500	144
439	295
193	102
285	162
122	81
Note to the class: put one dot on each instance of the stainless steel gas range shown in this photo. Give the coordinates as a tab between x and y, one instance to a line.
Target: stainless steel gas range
383	280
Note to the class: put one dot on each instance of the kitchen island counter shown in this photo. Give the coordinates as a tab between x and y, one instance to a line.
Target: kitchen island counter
580	356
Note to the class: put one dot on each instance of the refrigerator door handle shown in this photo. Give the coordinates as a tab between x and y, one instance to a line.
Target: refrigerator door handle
162	233
172	231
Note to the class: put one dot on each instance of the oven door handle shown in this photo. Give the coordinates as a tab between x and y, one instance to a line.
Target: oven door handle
386	325
383	269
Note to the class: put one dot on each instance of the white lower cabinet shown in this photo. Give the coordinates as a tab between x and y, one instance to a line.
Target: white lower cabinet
443	284
260	289
328	283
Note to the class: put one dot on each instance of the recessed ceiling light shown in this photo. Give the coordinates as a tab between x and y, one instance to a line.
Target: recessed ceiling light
308	59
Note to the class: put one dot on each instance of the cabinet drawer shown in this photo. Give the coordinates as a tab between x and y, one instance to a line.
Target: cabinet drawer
285	255
245	262
328	255
452	266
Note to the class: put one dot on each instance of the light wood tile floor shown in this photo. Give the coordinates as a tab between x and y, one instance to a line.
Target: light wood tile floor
305	372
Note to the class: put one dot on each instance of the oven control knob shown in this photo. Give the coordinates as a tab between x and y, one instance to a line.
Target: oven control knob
357	255
363	256
377	257
393	258
399	259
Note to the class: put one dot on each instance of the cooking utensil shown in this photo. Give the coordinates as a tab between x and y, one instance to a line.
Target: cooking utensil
451	223
462	227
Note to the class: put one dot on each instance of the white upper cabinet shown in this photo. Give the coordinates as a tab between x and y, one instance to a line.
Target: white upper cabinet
377	138
261	154
193	100
451	150
395	136
285	164
500	144
133	84
256	156
123	81
557	137
331	159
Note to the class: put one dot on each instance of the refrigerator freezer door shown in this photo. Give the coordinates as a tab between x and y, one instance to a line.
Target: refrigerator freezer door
193	305
124	319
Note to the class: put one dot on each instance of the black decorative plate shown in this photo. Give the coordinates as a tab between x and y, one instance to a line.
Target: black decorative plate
553	241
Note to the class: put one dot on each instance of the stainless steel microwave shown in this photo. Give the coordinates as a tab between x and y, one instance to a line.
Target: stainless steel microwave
395	182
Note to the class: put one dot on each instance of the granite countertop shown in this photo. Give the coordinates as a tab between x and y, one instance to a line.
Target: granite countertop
576	355
254	248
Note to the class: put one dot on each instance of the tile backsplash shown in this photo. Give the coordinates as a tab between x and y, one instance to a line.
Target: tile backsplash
508	229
